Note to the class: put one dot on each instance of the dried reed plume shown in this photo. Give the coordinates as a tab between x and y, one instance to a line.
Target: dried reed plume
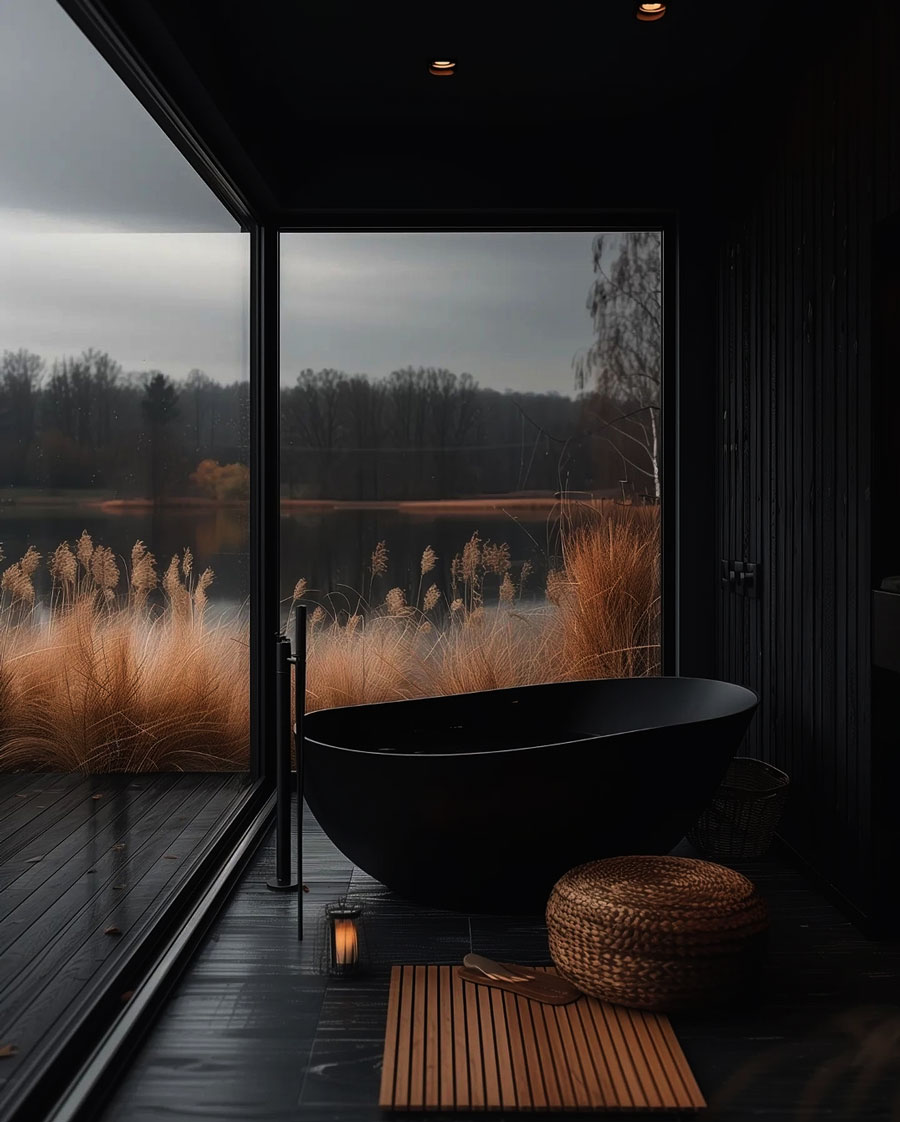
471	558
143	572
16	583
429	560
30	561
495	558
84	549
64	570
379	559
200	598
395	601
104	569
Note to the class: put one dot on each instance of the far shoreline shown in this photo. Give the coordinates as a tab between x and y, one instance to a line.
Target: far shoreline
316	506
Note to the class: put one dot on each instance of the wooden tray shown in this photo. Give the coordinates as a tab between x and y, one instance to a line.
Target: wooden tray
452	1046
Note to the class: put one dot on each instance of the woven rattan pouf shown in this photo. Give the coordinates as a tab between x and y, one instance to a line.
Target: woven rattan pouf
660	933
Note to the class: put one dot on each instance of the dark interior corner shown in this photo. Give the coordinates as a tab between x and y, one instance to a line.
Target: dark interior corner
761	143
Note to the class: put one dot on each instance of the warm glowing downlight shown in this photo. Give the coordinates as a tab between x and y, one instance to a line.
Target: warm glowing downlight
650	12
442	68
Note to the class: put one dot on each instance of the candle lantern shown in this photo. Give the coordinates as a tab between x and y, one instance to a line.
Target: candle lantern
345	940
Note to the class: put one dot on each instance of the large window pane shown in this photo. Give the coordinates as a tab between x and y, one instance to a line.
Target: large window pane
124	427
471	454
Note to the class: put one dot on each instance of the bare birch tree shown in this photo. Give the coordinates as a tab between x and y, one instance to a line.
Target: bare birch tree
625	360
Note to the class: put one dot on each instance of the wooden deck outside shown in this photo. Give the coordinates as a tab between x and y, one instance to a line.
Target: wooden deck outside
254	1031
85	865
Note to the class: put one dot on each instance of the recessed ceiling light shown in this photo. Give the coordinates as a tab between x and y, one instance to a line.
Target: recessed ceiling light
442	68
650	12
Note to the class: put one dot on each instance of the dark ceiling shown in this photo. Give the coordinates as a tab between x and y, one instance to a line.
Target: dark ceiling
327	106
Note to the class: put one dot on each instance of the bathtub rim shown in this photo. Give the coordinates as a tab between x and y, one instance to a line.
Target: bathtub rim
752	702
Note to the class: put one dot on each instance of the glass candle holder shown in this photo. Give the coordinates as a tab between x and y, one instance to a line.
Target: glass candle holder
344	939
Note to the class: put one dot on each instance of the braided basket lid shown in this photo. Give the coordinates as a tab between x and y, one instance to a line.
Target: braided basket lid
646	903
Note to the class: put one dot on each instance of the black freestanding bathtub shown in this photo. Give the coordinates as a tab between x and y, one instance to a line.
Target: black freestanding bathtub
481	801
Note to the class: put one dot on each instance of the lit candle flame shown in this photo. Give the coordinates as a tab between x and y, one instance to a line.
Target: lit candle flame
346	942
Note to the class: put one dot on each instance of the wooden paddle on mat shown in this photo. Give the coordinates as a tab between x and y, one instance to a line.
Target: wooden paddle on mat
523	980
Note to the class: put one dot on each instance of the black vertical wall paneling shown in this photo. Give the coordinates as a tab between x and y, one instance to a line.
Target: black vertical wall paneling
723	458
817	482
772	588
844	109
753	480
826	736
733	361
808	771
794	470
776	585
868	196
746	461
880	500
723	413
794	383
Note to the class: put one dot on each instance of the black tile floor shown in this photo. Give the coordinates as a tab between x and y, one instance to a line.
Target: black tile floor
255	1032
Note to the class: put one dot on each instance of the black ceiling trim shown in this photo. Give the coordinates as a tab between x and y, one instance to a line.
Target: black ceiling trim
247	206
513	219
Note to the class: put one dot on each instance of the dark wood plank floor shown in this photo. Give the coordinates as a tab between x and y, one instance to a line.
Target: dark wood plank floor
79	856
255	1032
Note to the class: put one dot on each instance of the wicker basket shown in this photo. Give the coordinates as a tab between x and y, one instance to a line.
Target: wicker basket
660	933
741	820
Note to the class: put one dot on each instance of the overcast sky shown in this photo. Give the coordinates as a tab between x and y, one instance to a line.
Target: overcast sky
109	239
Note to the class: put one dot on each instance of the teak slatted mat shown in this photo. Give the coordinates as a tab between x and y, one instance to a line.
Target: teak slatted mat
451	1045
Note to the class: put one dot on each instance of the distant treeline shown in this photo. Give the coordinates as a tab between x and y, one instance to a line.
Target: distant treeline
430	433
83	423
425	433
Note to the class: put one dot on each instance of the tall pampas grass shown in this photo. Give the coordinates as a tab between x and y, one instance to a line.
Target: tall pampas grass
608	597
599	618
126	672
104	682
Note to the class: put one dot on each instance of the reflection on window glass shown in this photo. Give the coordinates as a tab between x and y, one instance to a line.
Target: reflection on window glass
124	428
471	454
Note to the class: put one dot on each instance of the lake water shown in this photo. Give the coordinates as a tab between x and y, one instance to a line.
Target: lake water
330	548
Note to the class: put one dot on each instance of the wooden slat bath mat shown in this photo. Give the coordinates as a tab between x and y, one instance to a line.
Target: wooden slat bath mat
451	1045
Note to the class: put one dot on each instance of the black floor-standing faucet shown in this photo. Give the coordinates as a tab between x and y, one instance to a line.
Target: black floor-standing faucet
299	661
283	662
282	881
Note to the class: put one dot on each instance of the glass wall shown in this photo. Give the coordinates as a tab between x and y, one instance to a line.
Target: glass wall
124	427
471	455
